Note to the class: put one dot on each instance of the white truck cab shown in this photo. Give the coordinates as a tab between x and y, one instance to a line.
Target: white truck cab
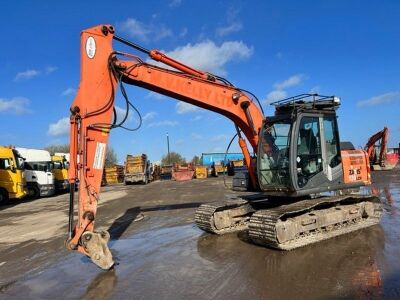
38	174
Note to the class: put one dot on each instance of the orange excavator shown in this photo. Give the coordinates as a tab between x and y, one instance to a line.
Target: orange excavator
298	169
383	160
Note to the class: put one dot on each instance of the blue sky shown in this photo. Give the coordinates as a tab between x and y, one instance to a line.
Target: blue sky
274	49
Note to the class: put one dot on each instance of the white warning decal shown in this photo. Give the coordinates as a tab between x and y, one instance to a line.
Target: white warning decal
90	47
99	156
329	175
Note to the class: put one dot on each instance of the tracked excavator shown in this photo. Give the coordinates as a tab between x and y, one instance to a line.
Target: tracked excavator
295	165
383	160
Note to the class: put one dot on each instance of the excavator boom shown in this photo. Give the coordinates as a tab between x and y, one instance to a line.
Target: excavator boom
92	112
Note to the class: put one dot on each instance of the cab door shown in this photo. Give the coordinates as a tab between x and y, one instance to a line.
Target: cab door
6	180
309	162
316	152
331	149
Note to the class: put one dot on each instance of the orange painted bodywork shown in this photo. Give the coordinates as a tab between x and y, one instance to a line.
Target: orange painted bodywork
92	105
209	95
356	167
161	57
92	110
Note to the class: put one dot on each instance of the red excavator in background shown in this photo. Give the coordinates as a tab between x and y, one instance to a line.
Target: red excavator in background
379	157
297	166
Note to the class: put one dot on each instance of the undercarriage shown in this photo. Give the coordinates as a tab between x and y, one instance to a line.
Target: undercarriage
293	224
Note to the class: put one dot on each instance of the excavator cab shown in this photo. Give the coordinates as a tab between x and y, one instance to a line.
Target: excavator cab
299	149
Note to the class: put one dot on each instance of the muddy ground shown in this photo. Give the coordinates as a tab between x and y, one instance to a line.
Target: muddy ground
165	256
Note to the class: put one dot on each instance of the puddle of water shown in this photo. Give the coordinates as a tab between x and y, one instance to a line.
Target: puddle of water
183	262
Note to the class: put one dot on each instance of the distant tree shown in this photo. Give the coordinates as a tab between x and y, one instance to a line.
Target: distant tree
111	157
196	160
174	158
57	148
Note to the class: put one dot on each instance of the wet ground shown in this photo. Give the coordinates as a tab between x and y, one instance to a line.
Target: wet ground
165	256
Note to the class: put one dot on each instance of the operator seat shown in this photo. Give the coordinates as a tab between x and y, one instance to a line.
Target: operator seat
307	152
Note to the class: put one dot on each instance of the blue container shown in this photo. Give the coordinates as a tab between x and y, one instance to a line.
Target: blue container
209	158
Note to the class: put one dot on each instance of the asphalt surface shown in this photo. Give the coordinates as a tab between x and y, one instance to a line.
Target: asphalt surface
165	256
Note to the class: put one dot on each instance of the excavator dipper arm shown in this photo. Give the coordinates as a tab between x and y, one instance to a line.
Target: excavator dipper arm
92	112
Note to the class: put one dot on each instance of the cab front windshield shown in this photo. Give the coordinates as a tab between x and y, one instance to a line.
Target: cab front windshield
60	165
274	154
44	166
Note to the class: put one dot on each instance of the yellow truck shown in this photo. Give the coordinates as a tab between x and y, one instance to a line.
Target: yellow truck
137	169
60	171
12	178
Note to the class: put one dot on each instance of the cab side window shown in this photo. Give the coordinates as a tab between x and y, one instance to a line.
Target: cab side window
5	164
331	141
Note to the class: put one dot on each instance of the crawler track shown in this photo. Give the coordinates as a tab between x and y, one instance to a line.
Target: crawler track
263	224
294	225
206	214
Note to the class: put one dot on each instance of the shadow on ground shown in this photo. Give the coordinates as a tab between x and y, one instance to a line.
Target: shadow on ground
120	224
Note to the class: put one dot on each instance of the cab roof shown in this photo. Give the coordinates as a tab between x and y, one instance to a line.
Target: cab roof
306	102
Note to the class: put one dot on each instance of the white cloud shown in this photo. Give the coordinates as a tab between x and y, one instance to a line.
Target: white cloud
50	69
16	105
135	29
391	97
162	32
275	96
197	118
68	91
175	3
315	89
155	95
208	56
279	93
290	82
121	112
144	32
149	116
234	27
25	75
61	127
30	73
184	108
163	123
